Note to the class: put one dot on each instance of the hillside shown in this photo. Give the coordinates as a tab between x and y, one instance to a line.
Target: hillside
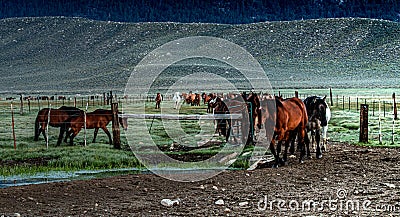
75	55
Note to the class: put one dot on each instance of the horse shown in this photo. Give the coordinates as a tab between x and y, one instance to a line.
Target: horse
158	100
97	119
177	100
206	98
253	101
197	99
319	115
191	98
210	99
58	118
289	115
225	125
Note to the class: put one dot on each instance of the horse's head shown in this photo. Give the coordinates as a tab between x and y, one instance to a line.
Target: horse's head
318	108
123	121
268	111
219	106
254	100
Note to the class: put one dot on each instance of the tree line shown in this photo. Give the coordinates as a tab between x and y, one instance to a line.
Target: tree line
210	11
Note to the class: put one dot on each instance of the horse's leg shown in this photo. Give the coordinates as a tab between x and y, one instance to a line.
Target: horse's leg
324	138
108	134
73	133
67	134
71	138
292	140
313	140
301	143
96	130
317	139
307	144
44	134
278	152
285	153
60	136
37	130
273	151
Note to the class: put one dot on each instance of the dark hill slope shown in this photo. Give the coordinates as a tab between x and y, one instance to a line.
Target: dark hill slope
58	55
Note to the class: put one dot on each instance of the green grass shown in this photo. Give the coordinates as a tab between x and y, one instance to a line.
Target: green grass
33	156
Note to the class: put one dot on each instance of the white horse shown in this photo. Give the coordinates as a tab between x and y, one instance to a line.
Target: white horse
177	100
324	129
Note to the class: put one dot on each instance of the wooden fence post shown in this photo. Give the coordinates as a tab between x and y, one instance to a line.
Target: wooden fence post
373	108
47	127
296	94
330	95
85	124
343	102
363	123
379	124
394	106
13	127
21	111
384	109
115	126
357	104
349	104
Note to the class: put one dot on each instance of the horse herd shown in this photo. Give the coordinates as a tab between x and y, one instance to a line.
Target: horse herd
292	120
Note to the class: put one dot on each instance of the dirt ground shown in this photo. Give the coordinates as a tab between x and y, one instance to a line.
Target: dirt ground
347	181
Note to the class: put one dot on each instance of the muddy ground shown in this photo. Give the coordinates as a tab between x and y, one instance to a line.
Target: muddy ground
348	181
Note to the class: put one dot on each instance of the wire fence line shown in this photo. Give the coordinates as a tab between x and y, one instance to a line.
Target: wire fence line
381	111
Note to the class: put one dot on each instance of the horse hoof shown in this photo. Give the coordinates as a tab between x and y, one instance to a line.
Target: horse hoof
275	166
319	156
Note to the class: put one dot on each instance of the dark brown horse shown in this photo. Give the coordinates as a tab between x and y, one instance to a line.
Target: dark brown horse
225	125
197	99
97	119
254	108
58	118
158	100
209	99
290	116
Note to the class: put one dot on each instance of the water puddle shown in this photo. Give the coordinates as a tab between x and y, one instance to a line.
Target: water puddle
62	176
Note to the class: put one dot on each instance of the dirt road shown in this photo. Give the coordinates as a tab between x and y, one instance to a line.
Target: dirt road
348	181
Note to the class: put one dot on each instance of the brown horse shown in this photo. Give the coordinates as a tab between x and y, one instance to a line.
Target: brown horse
158	100
225	125
99	118
58	118
290	116
205	97
197	99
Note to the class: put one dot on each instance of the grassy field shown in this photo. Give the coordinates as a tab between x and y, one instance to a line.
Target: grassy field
33	156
